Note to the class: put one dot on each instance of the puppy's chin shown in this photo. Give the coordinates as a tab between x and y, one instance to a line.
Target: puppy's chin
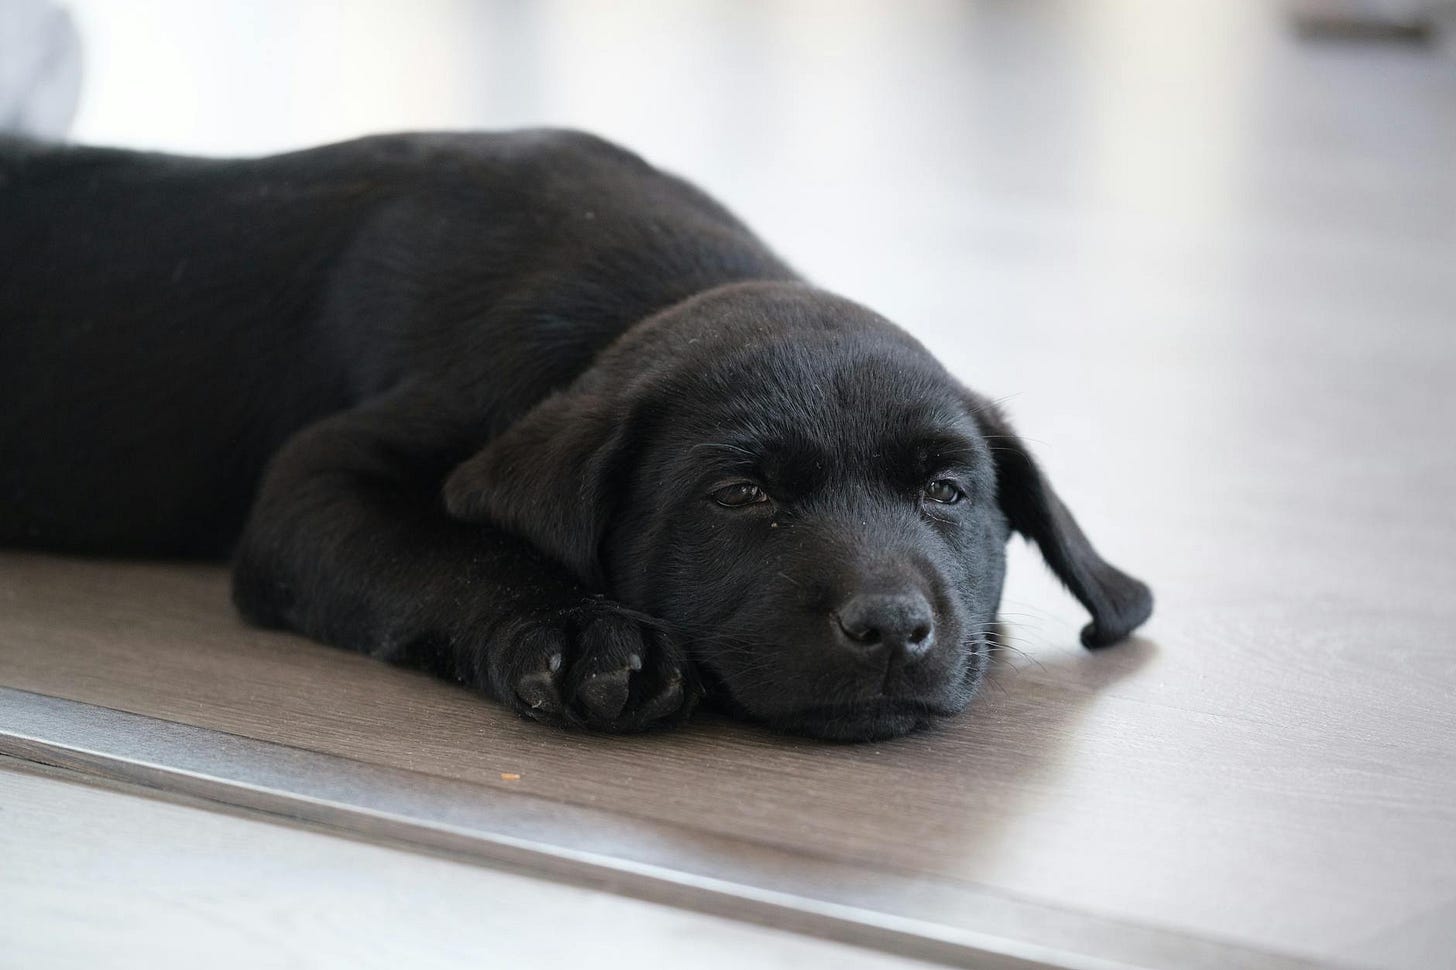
873	719
863	721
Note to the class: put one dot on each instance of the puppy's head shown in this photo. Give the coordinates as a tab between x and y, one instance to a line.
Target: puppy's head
800	489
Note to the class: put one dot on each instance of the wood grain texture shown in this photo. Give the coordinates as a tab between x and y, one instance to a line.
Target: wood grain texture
1210	269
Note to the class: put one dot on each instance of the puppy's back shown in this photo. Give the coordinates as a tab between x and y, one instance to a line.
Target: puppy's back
167	322
154	341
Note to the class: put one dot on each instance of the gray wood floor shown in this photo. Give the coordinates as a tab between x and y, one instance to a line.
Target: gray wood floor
1213	273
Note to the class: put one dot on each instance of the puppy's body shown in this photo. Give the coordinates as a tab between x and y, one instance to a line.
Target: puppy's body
169	322
492	378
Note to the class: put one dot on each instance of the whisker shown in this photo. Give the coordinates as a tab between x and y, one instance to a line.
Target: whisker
726	446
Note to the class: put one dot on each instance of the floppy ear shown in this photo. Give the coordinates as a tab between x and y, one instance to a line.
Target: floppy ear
549	478
1118	603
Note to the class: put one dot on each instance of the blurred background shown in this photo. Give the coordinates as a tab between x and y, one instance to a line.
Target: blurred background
910	153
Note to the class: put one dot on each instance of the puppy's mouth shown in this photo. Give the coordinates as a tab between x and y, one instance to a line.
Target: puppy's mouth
864	718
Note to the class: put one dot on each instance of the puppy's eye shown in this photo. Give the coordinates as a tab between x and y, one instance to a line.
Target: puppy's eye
740	494
944	491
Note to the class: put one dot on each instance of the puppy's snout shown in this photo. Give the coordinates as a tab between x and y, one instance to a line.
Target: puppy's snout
900	624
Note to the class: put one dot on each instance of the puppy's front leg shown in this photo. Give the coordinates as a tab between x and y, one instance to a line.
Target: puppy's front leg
349	543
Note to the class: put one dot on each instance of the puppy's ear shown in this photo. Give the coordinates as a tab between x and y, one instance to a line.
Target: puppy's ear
1118	603
550	478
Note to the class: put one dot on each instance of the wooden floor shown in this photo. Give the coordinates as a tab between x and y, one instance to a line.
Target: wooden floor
1212	272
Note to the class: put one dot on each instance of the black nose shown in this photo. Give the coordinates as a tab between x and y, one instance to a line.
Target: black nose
900	623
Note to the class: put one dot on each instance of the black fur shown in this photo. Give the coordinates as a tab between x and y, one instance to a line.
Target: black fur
473	402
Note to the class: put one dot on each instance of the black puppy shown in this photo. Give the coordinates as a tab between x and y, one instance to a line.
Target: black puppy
520	410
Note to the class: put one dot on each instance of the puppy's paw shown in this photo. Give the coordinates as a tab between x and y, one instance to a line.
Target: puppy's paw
596	667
